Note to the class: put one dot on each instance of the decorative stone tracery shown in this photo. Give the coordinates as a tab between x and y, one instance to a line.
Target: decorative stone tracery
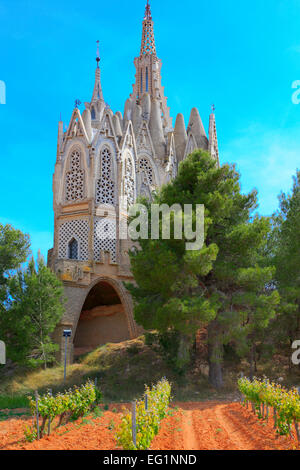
129	191
77	229
74	186
105	239
105	186
147	171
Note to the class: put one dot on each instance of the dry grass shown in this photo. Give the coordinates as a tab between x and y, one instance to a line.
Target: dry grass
122	371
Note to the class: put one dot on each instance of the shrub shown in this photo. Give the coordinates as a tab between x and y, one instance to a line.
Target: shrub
72	404
285	402
147	421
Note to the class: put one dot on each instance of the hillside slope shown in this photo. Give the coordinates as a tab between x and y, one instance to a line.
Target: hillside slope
121	369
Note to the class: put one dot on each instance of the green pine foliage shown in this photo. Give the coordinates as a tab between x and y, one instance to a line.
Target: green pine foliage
223	285
34	309
284	253
14	249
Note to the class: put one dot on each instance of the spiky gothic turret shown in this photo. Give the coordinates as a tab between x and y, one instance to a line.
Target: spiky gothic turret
101	157
148	71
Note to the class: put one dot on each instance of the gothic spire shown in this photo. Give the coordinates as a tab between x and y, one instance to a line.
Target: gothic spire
180	137
148	41
212	134
97	93
148	71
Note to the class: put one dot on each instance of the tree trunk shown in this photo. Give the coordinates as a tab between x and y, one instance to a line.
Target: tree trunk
183	354
216	374
255	360
252	362
215	356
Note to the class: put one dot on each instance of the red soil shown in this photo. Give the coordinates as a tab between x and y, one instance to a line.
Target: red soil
190	426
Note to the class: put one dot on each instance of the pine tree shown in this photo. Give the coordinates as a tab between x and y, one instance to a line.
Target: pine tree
284	252
36	307
14	249
221	285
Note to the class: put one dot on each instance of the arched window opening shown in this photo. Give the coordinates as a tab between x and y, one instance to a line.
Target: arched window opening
74	179
93	113
105	189
141	82
73	249
147	171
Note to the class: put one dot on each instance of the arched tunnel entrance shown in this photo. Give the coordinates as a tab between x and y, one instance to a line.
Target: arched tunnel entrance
102	320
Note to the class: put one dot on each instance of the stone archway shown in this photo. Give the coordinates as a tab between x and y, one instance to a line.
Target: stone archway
103	318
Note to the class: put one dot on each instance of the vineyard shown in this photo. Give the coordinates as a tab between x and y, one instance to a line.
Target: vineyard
266	419
263	395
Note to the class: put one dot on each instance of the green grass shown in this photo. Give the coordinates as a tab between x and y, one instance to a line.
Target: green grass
13	406
13	401
122	370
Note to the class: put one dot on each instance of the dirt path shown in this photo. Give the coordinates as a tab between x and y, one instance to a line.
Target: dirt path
189	434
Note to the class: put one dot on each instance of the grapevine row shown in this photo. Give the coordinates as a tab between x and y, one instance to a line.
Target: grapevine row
71	404
263	394
150	410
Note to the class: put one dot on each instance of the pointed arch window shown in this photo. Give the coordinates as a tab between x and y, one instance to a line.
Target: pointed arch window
74	179
73	251
147	178
93	114
105	188
141	82
147	171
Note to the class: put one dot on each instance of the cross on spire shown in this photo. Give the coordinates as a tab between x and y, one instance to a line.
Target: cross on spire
97	93
98	54
148	15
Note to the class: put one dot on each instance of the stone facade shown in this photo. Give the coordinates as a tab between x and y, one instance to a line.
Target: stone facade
101	157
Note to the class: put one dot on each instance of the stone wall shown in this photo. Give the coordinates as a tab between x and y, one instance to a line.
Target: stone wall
96	327
101	323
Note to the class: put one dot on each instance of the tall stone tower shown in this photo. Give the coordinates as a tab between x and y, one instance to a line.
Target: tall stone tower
102	157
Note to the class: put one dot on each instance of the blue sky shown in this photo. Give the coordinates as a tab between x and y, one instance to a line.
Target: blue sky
242	56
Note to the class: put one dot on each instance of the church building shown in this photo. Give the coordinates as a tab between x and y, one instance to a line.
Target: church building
103	157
